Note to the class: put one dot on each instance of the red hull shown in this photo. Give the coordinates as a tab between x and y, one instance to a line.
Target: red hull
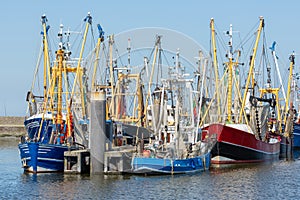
239	146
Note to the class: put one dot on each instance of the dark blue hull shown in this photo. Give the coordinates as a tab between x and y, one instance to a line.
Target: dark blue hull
228	153
290	147
38	157
142	165
296	136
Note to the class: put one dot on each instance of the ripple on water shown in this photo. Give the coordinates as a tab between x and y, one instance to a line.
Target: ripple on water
278	180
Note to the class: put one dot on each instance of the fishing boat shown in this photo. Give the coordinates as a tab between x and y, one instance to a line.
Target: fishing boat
291	105
290	138
290	99
57	119
176	146
249	132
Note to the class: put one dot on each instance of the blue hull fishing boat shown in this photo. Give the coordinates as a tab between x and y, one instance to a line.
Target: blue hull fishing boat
38	157
57	120
142	165
176	146
291	128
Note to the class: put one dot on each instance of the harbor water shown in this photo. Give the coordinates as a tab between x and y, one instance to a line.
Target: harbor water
278	180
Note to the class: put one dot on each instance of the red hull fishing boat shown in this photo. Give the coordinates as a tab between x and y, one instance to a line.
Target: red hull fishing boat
250	130
236	146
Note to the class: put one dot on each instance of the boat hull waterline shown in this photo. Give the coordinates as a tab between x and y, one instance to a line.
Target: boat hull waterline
142	165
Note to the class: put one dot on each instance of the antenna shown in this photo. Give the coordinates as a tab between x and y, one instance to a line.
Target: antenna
60	36
128	49
230	34
68	44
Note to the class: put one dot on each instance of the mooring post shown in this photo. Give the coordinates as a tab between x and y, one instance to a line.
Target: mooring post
97	137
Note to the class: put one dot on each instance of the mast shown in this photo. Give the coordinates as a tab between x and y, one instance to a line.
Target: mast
60	59
140	101
128	49
277	69
292	62
46	69
157	46
100	39
201	92
177	125
56	91
250	73
215	63
111	77
151	101
236	78
79	72
230	69
46	55
57	78
230	66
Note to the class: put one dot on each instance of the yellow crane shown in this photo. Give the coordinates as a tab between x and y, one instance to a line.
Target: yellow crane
251	69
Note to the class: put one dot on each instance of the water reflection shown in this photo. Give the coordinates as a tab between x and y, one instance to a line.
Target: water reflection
278	180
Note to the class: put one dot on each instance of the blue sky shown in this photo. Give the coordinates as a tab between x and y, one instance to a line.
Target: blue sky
20	29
